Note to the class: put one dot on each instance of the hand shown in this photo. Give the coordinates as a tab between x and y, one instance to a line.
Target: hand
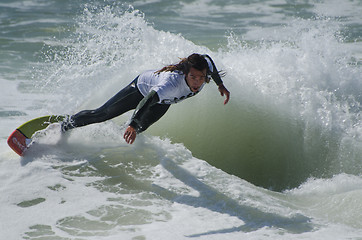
130	135
223	90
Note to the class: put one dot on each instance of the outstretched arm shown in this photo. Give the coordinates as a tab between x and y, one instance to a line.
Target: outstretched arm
137	124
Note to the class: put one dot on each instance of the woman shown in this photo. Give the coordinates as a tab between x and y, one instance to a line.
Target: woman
152	93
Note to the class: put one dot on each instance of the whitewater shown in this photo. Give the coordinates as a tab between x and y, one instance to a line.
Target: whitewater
282	160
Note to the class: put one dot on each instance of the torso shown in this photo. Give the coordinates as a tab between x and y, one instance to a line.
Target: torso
171	87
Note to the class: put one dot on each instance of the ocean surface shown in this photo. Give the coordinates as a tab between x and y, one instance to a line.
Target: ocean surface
282	160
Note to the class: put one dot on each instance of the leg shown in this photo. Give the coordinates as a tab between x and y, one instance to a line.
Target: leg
125	100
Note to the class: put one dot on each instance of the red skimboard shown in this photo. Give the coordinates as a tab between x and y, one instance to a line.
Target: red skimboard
20	140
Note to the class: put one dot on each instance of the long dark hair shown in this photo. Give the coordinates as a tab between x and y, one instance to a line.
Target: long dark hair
195	60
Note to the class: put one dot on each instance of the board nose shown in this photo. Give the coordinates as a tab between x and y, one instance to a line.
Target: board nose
18	142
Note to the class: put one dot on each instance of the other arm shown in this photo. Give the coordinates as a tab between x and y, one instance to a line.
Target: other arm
217	79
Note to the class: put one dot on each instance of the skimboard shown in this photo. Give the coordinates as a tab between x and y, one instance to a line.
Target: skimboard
21	139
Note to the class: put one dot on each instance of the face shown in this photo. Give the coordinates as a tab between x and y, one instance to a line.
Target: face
195	79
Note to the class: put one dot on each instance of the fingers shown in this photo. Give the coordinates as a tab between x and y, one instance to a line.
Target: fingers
130	135
227	97
223	91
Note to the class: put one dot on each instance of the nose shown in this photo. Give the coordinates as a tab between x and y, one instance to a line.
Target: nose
199	80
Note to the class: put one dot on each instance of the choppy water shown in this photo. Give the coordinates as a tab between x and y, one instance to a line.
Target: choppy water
281	161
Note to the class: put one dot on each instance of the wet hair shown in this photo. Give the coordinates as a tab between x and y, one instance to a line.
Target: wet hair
195	60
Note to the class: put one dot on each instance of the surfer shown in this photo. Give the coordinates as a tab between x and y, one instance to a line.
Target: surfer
151	94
